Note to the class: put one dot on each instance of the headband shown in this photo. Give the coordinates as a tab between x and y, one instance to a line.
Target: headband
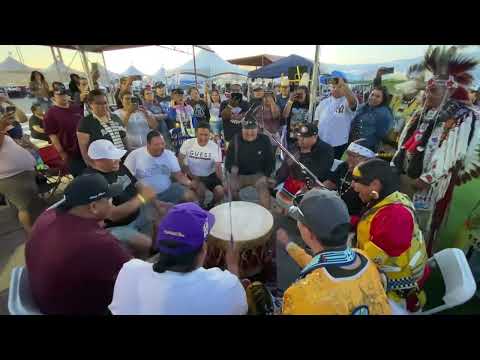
361	150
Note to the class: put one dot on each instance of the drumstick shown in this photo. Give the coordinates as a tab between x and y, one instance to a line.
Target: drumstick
291	156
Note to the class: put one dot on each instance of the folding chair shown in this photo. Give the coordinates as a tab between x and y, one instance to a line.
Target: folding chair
56	173
20	300
458	278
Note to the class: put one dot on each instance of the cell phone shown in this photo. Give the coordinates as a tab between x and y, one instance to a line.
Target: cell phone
11	109
135	100
388	70
334	81
237	96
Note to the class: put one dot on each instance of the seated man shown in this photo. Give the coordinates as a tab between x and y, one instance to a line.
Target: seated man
35	123
201	160
72	262
153	165
312	152
17	176
341	179
130	221
177	283
338	280
250	161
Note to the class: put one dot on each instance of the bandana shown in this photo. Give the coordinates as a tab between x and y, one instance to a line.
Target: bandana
361	150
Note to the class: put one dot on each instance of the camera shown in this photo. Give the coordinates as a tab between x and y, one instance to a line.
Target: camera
334	81
387	70
237	97
135	100
10	109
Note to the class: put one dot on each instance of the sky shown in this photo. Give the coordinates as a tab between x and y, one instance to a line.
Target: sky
150	59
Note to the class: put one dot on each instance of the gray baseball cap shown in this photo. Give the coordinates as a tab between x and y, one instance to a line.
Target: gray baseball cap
325	214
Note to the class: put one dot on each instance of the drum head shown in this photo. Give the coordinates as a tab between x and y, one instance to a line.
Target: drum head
250	221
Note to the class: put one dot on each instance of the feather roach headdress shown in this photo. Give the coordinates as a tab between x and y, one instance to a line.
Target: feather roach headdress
448	68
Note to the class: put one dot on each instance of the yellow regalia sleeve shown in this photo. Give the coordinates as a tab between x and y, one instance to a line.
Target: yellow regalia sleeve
299	255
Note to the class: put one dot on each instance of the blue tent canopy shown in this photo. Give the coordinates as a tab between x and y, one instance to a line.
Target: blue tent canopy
279	67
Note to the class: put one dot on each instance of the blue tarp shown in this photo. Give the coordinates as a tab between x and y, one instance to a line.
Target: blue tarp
279	67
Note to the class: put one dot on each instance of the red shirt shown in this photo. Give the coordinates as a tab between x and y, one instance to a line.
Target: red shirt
72	264
63	122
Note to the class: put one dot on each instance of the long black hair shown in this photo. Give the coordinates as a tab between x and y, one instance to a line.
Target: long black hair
377	169
385	95
307	95
34	72
184	263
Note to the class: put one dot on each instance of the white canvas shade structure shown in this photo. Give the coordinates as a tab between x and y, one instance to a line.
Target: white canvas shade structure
101	48
208	65
132	71
12	65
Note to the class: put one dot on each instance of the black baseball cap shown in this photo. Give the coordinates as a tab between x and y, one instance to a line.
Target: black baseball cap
159	85
86	189
325	214
59	89
307	130
249	122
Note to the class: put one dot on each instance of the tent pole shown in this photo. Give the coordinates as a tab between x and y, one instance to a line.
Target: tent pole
314	83
86	69
61	61
56	64
107	76
195	66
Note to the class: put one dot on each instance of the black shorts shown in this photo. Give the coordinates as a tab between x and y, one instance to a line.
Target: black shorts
211	181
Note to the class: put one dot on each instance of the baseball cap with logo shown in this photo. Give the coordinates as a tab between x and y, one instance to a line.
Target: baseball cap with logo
86	189
307	130
184	229
104	149
325	214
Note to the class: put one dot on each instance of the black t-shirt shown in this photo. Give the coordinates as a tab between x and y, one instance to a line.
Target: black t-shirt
232	127
298	114
113	130
319	161
200	110
124	177
251	157
36	121
343	179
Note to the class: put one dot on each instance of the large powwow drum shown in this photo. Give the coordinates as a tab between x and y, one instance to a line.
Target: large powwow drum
251	225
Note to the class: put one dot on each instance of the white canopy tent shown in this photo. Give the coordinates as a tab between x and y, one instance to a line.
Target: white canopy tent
132	71
12	65
208	65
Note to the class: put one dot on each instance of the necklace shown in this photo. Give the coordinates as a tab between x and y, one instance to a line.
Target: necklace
344	182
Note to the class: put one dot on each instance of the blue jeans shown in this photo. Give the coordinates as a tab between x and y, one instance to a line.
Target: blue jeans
174	194
143	224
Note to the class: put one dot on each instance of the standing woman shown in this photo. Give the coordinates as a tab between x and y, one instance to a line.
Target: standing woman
295	113
40	89
389	233
373	120
214	102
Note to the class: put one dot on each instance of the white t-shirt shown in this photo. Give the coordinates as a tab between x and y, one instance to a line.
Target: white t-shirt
334	118
14	159
201	159
152	171
137	128
141	291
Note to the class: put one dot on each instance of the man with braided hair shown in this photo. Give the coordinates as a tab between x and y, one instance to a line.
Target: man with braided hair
437	148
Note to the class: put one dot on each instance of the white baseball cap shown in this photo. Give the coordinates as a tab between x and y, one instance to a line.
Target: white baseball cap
104	149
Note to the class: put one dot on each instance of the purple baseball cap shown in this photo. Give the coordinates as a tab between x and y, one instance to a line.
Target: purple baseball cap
184	229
